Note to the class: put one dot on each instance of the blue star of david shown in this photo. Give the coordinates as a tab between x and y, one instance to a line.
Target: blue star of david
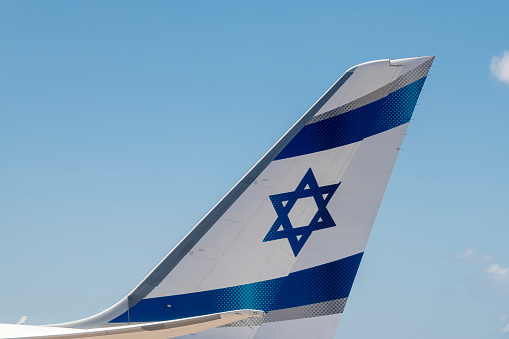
283	204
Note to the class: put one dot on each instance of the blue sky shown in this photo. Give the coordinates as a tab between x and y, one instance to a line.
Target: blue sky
123	123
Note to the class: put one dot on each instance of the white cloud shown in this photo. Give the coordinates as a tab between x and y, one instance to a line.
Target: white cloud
494	271
472	255
498	271
506	328
499	66
505	320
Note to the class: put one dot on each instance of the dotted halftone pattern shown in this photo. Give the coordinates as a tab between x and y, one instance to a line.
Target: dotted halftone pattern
397	108
334	132
312	286
321	283
307	311
409	77
378	116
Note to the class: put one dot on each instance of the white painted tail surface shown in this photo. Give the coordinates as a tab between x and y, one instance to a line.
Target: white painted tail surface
289	237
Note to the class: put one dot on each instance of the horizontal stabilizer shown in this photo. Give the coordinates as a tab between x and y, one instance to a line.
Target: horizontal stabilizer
154	330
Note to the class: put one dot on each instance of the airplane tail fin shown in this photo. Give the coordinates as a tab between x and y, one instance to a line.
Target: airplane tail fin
289	236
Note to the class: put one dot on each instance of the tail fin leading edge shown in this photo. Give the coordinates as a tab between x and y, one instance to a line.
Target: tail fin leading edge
289	237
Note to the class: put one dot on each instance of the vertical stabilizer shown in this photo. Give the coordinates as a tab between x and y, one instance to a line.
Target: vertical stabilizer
289	237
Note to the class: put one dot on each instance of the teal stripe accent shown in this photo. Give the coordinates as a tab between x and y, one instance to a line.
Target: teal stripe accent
314	285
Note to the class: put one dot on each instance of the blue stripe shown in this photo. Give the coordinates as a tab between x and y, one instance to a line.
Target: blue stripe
391	111
326	282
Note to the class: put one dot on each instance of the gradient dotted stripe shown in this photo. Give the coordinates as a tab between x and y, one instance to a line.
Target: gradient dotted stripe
318	284
337	131
391	111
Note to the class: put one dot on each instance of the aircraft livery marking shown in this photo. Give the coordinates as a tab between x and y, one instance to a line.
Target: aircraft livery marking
283	204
